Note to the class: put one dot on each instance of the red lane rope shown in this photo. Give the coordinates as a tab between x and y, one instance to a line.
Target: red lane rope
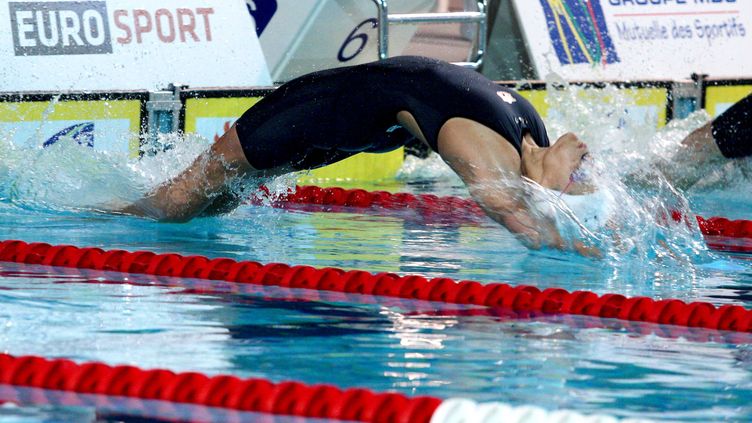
360	198
517	298
126	409
461	210
257	395
727	235
411	308
453	209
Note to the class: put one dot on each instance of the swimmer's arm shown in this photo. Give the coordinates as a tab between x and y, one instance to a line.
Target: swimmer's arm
534	232
197	187
505	206
489	166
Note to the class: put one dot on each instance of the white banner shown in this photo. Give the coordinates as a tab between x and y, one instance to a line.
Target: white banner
638	39
128	45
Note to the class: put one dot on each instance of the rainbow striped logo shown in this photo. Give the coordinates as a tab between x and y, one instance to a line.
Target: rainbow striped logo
578	32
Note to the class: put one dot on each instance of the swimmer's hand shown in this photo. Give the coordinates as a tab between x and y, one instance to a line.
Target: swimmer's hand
537	232
547	236
587	250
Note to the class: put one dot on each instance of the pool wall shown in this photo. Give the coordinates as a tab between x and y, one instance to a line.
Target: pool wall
132	121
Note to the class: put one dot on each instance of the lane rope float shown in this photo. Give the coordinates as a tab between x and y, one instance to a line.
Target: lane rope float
721	233
263	396
521	298
410	308
258	395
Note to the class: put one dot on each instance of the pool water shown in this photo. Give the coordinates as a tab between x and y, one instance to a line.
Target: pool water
417	348
408	346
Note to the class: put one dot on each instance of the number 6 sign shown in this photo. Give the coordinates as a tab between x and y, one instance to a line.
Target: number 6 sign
356	37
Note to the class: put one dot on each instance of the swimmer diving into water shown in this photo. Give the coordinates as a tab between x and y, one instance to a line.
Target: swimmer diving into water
489	135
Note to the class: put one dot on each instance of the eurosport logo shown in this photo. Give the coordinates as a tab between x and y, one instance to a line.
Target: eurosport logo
83	27
579	32
53	28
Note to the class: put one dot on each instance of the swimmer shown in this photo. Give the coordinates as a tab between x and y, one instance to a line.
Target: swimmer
489	135
726	138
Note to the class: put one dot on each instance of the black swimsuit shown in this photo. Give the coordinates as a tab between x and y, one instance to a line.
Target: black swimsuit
326	116
732	130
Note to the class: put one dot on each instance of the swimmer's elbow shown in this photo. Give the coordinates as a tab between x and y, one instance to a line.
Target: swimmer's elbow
540	233
537	242
588	250
531	232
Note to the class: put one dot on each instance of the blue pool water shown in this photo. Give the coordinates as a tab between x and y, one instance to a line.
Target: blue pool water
417	348
411	347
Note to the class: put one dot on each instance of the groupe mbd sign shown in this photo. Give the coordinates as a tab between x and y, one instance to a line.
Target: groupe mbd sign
76	27
638	39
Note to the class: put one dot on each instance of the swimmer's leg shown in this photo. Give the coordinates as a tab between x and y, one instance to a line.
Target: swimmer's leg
700	144
195	189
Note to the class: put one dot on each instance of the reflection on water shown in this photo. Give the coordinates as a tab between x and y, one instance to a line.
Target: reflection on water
68	407
414	347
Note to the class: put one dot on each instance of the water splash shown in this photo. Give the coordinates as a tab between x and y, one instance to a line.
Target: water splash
70	177
67	176
432	167
631	164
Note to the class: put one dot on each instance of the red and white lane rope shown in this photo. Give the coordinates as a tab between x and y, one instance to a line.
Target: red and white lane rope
458	410
720	233
497	295
263	396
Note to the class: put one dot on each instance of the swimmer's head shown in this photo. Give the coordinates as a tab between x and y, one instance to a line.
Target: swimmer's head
557	166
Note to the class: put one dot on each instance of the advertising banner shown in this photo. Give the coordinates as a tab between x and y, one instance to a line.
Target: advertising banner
638	39
111	125
643	105
212	117
128	45
719	98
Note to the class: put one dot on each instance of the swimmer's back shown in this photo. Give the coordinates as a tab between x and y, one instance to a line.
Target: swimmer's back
325	116
434	91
